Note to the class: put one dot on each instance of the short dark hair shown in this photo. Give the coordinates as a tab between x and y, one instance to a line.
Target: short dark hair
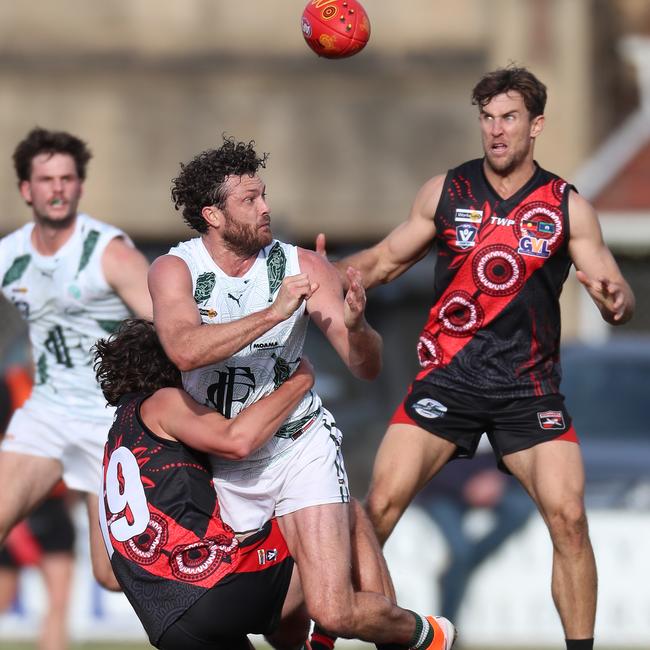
132	360
40	141
514	78
201	181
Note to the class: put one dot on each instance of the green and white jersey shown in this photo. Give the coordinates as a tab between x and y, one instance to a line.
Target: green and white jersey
69	305
262	366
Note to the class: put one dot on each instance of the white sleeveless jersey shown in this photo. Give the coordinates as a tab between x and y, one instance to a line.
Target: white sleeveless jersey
69	305
260	367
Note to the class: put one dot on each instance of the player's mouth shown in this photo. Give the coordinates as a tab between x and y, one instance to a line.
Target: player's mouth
498	147
57	203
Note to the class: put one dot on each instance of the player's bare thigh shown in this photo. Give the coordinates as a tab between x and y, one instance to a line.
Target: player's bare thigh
551	472
31	478
318	538
407	458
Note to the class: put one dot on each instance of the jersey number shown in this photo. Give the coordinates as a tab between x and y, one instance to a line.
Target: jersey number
124	490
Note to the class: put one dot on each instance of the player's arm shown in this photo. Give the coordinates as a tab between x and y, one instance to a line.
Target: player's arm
408	243
125	269
342	318
191	344
173	412
596	267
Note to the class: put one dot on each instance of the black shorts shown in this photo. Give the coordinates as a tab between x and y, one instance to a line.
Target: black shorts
241	604
50	529
511	424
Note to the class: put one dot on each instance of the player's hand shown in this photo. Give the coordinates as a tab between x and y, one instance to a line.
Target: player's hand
294	291
354	304
610	297
321	245
305	370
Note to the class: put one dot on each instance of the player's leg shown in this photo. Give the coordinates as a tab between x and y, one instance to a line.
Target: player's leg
29	479
369	569
407	458
102	569
57	570
319	540
294	625
552	472
8	585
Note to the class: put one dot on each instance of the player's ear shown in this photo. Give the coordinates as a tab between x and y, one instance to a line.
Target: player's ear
25	191
537	126
212	215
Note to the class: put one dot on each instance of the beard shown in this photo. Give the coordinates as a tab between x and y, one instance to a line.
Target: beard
505	167
244	240
55	224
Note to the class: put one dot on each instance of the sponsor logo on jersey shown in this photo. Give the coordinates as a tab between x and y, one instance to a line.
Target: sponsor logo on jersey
534	247
466	236
429	408
265	345
502	221
210	313
19	289
470	216
551	420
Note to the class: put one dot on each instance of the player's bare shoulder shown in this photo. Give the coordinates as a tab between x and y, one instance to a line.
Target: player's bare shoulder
314	264
427	199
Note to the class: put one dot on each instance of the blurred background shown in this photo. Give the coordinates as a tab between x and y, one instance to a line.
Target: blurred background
150	83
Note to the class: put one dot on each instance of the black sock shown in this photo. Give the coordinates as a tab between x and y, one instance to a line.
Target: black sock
579	644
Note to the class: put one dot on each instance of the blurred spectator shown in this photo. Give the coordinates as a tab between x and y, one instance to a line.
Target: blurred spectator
459	489
45	540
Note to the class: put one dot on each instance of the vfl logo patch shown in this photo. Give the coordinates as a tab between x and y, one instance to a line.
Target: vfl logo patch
306	27
429	408
466	236
551	420
470	216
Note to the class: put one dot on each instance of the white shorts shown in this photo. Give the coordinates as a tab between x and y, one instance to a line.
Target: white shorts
310	473
77	443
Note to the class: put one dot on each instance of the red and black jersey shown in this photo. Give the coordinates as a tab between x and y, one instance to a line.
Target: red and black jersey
162	525
494	328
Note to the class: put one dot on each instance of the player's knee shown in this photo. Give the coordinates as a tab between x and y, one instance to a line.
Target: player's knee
568	524
383	513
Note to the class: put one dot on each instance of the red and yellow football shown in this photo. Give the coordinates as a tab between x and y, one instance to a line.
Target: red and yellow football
335	29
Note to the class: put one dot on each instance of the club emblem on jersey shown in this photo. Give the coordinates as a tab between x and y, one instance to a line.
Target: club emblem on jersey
470	216
551	420
466	236
204	285
429	408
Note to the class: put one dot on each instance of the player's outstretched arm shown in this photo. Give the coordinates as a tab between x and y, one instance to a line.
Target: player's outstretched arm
408	243
342	317
596	267
187	342
125	269
173	412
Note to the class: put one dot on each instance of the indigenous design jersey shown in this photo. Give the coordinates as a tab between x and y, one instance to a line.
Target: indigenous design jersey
161	523
69	305
494	328
263	365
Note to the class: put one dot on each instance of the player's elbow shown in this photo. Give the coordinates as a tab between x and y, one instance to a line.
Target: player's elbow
240	445
183	358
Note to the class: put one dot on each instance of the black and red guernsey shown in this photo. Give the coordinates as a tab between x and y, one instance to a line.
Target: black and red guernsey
162	525
494	328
